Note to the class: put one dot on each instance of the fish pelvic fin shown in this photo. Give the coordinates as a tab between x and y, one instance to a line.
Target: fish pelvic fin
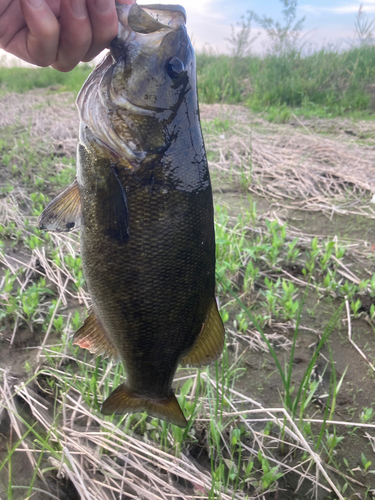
92	336
122	400
63	213
210	342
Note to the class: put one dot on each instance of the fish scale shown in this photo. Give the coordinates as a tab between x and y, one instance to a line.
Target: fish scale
143	201
159	284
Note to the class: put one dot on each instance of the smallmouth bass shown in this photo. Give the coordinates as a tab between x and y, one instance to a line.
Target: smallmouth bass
143	200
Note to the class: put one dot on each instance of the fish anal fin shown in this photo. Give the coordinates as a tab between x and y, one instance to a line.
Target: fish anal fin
92	336
209	344
122	400
63	213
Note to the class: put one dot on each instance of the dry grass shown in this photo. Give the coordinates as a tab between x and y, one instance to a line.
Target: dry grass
48	116
102	460
294	165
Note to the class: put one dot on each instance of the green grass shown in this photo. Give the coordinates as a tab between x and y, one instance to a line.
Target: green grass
271	287
25	79
233	469
326	83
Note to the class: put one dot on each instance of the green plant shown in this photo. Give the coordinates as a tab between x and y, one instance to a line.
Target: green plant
326	256
366	464
287	301
366	415
332	441
270	475
355	306
293	251
311	257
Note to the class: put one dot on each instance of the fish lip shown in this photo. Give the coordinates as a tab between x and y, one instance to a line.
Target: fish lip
177	14
175	8
165	18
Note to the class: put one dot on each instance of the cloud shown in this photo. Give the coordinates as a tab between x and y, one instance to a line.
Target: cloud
199	8
353	8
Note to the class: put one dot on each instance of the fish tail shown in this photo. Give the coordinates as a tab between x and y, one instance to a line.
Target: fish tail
122	400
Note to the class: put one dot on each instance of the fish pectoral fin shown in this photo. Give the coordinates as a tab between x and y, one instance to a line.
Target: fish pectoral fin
122	400
210	342
93	337
63	213
115	208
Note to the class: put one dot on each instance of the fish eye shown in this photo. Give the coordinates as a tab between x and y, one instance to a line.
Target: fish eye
174	67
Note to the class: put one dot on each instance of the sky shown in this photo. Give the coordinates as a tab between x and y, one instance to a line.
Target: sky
327	21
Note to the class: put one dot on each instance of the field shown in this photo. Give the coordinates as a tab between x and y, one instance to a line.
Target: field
288	411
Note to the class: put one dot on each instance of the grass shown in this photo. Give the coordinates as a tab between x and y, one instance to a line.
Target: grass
24	79
327	83
278	411
246	449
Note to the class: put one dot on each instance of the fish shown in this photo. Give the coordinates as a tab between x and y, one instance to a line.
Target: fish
142	199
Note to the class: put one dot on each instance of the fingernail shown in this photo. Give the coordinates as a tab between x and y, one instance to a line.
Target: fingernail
78	8
104	6
35	4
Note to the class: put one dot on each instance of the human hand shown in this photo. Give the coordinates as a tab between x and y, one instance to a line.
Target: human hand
57	33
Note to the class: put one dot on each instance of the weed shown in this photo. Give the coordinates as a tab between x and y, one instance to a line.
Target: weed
265	309
366	415
332	441
366	464
241	39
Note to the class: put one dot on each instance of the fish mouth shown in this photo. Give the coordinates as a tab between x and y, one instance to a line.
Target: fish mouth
146	19
155	20
143	28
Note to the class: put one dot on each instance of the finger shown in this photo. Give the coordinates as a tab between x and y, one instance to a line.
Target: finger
104	25
75	34
5	5
126	2
11	21
39	40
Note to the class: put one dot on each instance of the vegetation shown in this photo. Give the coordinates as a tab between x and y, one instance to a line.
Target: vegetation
282	295
24	79
288	409
328	82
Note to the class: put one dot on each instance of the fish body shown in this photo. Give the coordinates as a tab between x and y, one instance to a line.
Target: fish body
143	200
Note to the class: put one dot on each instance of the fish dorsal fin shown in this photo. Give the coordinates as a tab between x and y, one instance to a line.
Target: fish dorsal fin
209	344
63	213
122	400
93	337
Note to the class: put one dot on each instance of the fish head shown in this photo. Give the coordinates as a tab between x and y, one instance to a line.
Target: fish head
153	59
130	100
